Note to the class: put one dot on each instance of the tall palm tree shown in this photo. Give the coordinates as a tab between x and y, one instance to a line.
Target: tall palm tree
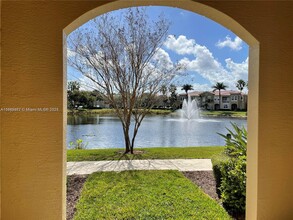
186	88
240	84
219	86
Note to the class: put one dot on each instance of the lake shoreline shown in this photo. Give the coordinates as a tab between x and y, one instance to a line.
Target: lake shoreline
204	114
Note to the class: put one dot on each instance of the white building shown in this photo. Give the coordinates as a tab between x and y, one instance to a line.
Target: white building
230	100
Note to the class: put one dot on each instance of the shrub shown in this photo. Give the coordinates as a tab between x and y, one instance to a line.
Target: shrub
236	141
233	171
217	161
77	145
233	184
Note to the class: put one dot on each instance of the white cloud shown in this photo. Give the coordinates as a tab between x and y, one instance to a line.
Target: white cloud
163	59
201	87
205	64
181	45
239	70
87	84
232	44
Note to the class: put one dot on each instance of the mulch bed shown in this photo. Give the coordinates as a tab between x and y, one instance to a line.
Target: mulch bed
204	179
74	187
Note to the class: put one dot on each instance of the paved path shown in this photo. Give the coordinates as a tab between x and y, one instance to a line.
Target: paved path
88	167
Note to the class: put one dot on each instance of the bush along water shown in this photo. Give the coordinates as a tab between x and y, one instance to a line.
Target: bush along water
77	145
233	171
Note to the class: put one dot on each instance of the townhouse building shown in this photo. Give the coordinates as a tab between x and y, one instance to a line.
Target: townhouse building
230	100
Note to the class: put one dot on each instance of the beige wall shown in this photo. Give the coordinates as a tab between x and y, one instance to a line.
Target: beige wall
32	143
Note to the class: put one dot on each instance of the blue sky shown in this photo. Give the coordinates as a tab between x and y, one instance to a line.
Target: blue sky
210	52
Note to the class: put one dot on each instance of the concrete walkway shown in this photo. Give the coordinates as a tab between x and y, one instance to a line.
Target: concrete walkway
88	167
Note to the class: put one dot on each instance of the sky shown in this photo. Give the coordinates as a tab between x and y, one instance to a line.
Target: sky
210	52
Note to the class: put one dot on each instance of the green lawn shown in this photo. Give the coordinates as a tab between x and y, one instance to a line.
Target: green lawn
160	112
224	113
112	111
145	195
148	153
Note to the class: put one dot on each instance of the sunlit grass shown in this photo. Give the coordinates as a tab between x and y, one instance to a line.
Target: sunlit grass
112	111
145	153
225	113
145	195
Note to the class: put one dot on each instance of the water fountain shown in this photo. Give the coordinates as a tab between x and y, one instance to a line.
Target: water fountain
189	109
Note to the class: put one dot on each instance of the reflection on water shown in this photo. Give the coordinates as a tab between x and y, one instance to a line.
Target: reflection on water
155	131
82	120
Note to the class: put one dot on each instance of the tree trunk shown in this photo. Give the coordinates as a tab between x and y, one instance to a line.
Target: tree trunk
136	127
127	145
126	139
219	99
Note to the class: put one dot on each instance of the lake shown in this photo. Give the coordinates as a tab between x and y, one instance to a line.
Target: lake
102	131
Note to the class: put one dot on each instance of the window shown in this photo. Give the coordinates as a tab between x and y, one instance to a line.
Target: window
225	99
234	98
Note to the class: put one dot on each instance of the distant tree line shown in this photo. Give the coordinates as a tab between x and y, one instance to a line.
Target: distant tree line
77	97
168	99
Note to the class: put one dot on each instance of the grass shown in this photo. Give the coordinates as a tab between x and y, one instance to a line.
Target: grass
148	153
112	111
224	113
108	111
145	195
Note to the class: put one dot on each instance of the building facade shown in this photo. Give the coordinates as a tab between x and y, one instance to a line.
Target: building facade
230	100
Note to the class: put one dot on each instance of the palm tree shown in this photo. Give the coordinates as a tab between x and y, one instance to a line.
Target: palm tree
219	86
240	84
187	87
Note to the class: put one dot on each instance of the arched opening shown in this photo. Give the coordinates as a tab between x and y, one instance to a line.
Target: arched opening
253	70
217	107
234	107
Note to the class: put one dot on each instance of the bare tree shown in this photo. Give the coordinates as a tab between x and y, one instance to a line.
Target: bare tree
122	57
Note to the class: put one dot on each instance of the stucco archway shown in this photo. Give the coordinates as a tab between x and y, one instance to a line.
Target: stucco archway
228	22
32	143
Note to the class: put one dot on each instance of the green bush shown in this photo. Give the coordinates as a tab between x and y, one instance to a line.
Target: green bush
233	184
233	171
236	141
78	145
217	161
